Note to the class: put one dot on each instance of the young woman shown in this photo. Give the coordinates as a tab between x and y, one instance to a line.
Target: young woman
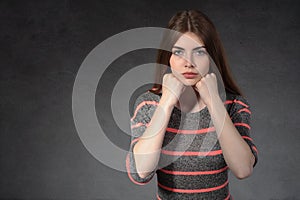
182	129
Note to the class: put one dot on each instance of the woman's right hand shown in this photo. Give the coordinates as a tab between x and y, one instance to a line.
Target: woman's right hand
172	88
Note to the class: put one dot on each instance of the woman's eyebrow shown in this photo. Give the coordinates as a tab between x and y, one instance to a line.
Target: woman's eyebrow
200	47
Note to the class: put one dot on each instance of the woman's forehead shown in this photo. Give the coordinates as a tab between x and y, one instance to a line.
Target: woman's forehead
189	40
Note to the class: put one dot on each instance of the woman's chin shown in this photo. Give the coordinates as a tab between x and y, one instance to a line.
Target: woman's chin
190	82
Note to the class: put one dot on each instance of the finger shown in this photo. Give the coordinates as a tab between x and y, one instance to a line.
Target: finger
195	88
199	84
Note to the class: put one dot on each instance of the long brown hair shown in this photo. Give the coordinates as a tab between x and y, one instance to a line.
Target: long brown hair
198	23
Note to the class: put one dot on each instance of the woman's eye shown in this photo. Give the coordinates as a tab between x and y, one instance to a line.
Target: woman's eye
201	52
178	52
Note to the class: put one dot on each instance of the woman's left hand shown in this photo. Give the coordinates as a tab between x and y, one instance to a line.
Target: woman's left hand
207	88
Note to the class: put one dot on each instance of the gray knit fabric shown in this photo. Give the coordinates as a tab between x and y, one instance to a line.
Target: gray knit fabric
189	186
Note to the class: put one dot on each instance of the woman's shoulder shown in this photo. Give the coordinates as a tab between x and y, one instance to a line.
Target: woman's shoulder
235	101
236	97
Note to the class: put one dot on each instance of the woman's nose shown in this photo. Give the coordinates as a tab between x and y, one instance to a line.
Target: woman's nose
188	57
189	62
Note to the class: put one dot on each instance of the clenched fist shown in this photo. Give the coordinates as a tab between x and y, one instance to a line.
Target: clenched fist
207	88
172	88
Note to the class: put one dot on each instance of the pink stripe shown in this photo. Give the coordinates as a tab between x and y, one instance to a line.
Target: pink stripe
194	173
255	149
236	101
138	125
141	105
191	153
242	124
228	196
200	131
135	140
192	190
248	138
158	197
174	130
245	110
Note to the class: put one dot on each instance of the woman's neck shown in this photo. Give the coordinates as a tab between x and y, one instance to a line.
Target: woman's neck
190	101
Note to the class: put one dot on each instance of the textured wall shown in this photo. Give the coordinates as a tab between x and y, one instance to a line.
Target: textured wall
43	44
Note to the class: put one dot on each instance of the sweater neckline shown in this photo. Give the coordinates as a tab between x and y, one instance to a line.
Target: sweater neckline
204	109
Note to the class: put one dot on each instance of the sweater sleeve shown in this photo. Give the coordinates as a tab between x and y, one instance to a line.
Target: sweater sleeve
241	118
144	108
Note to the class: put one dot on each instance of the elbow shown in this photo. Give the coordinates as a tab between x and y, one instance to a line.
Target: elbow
143	174
244	173
245	170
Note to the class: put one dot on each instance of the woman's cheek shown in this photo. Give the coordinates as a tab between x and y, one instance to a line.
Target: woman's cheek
203	72
176	65
176	74
203	68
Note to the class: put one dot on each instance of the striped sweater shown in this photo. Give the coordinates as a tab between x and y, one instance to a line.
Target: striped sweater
191	164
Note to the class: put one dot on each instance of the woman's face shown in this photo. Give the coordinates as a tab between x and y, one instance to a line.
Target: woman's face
189	61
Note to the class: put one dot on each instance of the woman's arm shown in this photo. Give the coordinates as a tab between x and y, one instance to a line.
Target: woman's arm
147	150
236	151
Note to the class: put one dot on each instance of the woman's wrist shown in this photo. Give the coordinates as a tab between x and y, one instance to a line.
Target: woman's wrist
166	103
216	101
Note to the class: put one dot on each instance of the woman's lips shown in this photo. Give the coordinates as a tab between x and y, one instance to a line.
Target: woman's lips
190	75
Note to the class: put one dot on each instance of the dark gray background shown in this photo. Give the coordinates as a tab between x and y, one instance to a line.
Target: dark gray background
43	44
